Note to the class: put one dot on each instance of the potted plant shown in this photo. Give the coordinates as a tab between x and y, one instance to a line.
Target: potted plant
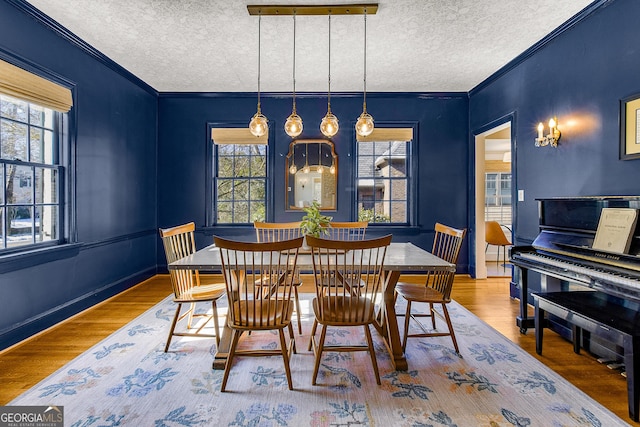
314	223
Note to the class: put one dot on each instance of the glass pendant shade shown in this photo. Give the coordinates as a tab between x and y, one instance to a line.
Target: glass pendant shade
258	126
293	125
364	125
329	125
293	169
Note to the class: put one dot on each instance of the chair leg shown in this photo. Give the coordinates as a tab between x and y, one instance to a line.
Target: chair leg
319	349
407	317
450	326
215	322
192	310
235	337
292	338
298	310
173	326
372	353
285	356
313	333
433	318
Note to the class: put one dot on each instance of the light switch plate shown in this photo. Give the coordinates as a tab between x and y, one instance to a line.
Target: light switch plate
521	195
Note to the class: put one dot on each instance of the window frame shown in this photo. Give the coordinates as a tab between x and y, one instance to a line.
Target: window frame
60	156
211	177
411	174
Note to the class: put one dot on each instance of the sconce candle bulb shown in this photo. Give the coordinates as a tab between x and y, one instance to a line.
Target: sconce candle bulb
552	138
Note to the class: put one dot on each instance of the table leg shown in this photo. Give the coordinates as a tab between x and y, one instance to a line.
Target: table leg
387	324
220	358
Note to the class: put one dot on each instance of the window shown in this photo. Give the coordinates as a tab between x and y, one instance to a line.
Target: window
30	202
498	197
240	177
382	176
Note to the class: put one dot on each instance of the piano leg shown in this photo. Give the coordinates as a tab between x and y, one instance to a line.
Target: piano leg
523	321
576	337
539	325
632	367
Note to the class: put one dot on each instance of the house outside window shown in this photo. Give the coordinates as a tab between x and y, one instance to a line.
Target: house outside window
382	176
239	177
30	202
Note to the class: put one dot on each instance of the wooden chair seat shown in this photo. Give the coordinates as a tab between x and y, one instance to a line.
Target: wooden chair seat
344	311
418	292
201	293
256	316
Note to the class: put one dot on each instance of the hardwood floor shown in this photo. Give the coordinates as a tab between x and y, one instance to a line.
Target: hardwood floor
25	364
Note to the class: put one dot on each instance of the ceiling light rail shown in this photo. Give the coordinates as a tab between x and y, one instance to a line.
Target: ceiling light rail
317	9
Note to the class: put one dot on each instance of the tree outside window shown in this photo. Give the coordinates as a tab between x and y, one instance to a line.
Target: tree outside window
29	174
240	183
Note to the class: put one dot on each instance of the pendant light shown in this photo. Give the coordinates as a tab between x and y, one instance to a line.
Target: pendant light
364	125
293	125
329	125
258	125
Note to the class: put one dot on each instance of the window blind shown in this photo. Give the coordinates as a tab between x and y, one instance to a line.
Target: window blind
387	134
19	83
222	136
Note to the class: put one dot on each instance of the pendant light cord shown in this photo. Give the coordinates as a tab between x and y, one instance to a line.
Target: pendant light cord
364	105
259	44
294	62
329	91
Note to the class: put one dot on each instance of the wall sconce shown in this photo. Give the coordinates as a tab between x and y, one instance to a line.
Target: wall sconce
552	138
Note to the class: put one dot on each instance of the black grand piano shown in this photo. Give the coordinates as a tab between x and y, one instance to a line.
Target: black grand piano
606	319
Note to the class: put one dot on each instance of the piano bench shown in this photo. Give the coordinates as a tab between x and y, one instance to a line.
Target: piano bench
602	316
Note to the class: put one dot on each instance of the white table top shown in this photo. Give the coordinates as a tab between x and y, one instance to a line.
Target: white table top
399	257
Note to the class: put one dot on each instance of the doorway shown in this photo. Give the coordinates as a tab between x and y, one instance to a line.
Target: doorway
494	197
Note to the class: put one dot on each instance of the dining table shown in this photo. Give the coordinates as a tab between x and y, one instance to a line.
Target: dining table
399	258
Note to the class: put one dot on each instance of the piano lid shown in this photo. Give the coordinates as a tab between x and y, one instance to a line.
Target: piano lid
568	226
580	214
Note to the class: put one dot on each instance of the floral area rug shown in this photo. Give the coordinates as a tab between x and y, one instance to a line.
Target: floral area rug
127	380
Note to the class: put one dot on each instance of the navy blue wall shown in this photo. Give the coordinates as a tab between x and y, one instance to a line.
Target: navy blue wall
441	146
580	77
113	130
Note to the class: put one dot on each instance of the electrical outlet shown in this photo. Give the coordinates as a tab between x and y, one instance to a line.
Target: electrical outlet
521	195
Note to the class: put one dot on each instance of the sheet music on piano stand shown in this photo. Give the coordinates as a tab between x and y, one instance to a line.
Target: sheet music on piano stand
615	230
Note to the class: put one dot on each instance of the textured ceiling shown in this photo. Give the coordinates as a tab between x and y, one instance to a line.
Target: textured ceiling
211	45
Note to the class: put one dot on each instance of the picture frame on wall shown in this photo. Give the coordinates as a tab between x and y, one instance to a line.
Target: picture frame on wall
630	127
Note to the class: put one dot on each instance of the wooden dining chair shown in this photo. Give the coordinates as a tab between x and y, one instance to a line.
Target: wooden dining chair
275	232
347	230
340	261
494	235
437	287
178	243
247	267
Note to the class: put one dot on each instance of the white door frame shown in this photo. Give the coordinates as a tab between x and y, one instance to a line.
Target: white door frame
480	244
